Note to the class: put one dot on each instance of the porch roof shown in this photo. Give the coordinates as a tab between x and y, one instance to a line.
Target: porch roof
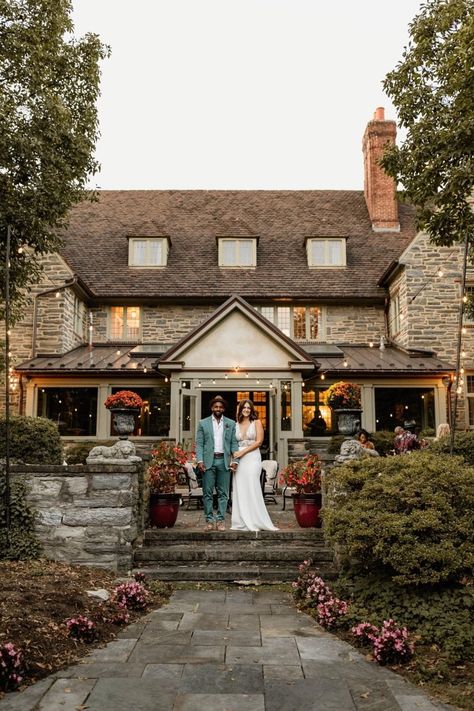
141	359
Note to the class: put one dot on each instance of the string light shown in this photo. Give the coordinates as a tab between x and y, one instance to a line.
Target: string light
57	294
144	369
440	272
464	298
323	377
371	344
226	376
345	364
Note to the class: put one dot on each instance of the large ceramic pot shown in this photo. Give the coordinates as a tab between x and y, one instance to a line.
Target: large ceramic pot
348	421
307	509
124	420
164	510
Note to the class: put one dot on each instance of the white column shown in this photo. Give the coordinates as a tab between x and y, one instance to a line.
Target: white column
368	407
174	406
103	415
297	408
30	403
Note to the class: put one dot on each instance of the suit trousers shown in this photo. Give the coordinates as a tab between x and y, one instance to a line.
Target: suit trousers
217	476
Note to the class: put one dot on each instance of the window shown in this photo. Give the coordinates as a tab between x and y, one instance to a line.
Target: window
237	252
470	398
154	418
317	416
73	410
394	314
148	251
124	323
285	406
469	309
396	406
329	252
79	311
303	323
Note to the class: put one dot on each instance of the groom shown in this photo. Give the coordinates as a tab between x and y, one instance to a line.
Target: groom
215	442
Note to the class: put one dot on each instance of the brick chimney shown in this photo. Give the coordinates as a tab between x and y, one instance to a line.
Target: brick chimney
379	188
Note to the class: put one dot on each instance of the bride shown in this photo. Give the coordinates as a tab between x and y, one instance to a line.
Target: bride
249	512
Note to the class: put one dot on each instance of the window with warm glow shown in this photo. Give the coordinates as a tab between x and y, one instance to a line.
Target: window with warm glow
147	251
237	252
302	323
124	323
285	403
326	252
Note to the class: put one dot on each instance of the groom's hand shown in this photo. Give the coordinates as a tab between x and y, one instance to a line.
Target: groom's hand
201	467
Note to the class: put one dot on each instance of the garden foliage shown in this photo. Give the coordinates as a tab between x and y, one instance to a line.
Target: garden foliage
463	445
23	543
408	517
33	440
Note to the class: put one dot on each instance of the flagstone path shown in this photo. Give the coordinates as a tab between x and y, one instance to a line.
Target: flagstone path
224	650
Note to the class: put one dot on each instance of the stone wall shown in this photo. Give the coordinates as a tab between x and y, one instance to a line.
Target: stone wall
354	324
88	515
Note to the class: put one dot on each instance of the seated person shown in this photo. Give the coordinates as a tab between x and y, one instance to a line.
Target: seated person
363	438
317	426
405	441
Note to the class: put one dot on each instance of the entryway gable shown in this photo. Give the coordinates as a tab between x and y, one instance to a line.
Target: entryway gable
236	336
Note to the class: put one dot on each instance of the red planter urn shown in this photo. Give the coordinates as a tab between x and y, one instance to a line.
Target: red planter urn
164	510
307	509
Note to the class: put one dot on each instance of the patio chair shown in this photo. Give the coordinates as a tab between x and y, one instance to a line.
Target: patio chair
269	487
287	493
195	491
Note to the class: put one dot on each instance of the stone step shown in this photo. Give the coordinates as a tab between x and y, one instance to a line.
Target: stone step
231	573
171	535
238	552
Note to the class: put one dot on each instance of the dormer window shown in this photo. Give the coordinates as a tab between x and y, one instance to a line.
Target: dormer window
240	253
148	251
326	251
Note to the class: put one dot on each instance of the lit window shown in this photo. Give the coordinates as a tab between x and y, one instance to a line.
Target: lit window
237	252
302	323
124	323
147	252
330	252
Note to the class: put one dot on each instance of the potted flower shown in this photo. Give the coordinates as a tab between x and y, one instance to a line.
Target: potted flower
167	463
124	406
345	400
304	476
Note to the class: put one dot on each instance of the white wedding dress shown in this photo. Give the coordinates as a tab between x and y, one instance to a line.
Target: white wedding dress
249	512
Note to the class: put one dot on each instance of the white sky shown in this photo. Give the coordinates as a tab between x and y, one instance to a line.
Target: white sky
241	94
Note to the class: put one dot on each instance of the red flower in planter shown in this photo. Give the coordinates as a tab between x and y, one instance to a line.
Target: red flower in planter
125	399
304	475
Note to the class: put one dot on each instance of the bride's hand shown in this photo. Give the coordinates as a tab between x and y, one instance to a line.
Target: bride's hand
236	455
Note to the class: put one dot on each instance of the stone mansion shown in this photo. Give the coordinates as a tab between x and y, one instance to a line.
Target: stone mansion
272	295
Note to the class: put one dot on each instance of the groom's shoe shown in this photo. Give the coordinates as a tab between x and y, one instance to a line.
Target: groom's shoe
220	526
209	526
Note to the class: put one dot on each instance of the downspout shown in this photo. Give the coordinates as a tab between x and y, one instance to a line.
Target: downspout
386	310
51	290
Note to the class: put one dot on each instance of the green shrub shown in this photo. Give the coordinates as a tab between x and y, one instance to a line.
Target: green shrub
383	441
463	445
440	616
33	440
23	543
78	453
335	442
408	516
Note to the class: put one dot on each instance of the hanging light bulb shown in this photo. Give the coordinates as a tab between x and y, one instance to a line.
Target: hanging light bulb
57	294
226	376
463	354
119	352
213	381
246	375
199	384
166	379
323	377
20	250
440	272
462	371
371	344
459	390
258	382
464	298
345	364
463	330
144	369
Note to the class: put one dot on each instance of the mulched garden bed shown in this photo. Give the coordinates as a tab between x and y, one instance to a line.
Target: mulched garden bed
38	596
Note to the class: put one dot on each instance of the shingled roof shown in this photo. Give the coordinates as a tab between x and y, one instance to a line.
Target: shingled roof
96	245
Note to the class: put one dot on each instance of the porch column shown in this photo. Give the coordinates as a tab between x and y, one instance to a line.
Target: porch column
368	407
103	415
175	386
30	399
297	408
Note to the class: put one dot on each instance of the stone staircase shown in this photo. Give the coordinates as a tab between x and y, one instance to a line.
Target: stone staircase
265	557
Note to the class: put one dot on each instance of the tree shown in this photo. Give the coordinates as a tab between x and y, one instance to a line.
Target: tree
49	84
432	89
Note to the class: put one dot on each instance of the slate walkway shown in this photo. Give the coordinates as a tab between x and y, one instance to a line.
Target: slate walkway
224	650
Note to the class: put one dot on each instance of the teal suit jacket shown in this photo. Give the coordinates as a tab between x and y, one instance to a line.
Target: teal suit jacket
205	441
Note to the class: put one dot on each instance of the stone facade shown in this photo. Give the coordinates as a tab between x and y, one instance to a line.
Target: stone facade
89	515
354	324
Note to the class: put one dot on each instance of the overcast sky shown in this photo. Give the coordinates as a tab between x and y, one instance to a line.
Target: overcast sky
241	93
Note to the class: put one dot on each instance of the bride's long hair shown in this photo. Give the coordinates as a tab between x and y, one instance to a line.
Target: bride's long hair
253	413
